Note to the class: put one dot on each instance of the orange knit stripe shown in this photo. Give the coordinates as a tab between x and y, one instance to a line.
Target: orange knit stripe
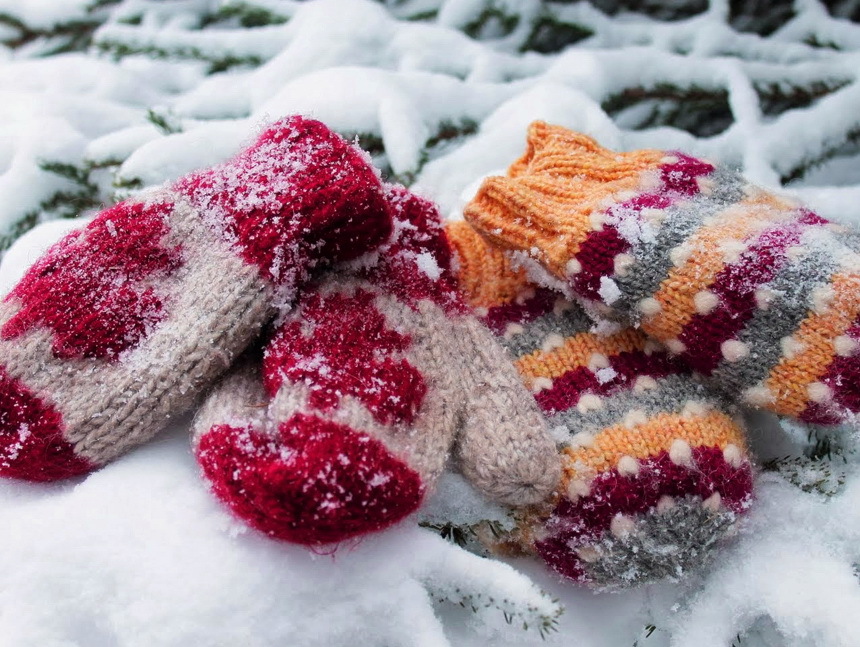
575	352
487	277
532	213
542	214
538	135
791	377
558	150
676	295
656	435
546	202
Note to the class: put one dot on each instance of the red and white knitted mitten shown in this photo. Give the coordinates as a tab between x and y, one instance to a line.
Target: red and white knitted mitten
120	325
364	386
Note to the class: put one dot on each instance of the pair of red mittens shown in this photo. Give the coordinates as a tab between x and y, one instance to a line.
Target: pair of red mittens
125	323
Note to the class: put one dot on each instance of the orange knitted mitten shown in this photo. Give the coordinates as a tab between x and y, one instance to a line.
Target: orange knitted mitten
655	467
750	289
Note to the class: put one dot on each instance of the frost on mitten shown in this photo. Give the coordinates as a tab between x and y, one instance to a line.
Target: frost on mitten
655	469
366	383
121	324
750	289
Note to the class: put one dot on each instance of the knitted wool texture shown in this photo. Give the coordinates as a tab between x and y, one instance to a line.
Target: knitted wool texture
363	387
654	468
750	289
120	325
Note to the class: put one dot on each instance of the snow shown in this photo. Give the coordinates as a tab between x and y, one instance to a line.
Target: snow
427	263
354	65
605	375
140	554
44	13
609	291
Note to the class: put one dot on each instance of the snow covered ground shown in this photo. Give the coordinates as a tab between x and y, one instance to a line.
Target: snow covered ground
140	554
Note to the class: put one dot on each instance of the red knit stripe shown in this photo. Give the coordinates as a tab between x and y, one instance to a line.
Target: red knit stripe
418	263
91	288
340	345
499	317
843	378
597	253
317	482
630	365
596	256
680	177
735	286
300	196
821	414
32	446
567	389
586	521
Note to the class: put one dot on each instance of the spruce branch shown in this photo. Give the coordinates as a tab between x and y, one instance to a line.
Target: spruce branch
165	122
461	536
446	136
217	62
644	635
514	614
656	9
700	111
778	97
249	14
414	10
490	589
492	22
80	195
848	144
70	36
550	34
821	469
469	536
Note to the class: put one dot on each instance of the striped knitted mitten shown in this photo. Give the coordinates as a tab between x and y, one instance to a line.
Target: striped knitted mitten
747	288
655	469
364	385
120	325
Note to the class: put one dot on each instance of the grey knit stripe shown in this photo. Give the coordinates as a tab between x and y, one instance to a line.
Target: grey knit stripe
664	545
653	263
670	396
567	324
792	286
